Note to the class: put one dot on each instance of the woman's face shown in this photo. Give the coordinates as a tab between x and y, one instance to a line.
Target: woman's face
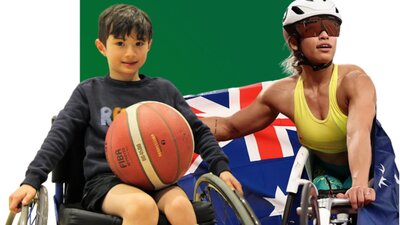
318	38
320	49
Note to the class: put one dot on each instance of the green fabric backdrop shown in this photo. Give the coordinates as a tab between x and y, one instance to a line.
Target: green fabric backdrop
200	45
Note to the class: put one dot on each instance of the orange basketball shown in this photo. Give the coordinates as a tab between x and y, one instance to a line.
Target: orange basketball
149	145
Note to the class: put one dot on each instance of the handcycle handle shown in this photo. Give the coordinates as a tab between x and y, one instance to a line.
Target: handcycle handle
340	202
335	205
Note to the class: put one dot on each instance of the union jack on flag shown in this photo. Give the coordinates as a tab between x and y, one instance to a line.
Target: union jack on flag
261	161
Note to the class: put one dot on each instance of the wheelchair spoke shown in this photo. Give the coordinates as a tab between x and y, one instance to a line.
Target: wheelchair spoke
232	209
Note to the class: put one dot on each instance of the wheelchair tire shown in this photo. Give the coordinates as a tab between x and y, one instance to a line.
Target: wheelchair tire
37	211
24	217
42	207
212	189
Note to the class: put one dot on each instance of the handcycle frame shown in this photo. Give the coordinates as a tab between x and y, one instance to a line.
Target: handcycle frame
312	206
322	209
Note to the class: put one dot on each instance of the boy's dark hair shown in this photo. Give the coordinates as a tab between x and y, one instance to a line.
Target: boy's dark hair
121	19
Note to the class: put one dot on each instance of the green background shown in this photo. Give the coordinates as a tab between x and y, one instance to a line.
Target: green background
200	45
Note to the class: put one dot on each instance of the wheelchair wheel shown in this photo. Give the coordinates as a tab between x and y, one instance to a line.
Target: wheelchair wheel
230	207
309	199
42	207
36	212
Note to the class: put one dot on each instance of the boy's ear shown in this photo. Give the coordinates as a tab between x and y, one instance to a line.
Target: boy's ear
150	42
100	46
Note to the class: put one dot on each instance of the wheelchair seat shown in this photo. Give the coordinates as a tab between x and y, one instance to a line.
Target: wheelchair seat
69	181
75	215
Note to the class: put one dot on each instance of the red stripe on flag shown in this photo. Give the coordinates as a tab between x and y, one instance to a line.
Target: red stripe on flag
283	122
194	157
267	141
268	144
248	94
196	111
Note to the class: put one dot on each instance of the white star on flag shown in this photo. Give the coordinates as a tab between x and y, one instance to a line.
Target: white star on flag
278	202
383	179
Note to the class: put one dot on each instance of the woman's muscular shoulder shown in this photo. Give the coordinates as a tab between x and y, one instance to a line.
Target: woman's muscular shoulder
350	75
350	71
352	79
279	95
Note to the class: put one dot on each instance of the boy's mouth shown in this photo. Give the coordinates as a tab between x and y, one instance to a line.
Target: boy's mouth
129	63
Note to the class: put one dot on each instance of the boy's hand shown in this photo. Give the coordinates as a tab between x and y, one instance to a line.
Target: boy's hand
231	181
23	194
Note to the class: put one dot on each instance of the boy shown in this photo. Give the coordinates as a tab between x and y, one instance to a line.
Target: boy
125	37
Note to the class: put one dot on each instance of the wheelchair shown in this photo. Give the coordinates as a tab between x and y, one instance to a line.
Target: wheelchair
69	182
319	206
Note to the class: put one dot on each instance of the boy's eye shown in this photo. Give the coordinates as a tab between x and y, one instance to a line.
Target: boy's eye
139	43
120	43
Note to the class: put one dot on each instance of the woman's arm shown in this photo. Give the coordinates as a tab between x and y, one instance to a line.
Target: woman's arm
361	112
258	115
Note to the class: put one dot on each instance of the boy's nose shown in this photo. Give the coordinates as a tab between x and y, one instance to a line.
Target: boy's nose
130	50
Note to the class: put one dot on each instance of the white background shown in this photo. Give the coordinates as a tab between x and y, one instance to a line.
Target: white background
40	67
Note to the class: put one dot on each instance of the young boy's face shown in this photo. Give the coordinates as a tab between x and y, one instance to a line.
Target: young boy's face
125	56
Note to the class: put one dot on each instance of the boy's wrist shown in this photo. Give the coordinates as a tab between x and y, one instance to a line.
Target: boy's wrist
220	167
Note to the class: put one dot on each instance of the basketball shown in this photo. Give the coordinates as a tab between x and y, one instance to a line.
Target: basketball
149	145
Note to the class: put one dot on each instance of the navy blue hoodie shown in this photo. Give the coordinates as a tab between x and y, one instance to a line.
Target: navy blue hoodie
90	108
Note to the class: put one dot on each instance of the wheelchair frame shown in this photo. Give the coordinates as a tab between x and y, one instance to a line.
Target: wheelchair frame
205	186
69	186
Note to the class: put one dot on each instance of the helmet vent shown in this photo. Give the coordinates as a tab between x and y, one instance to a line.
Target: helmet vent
297	10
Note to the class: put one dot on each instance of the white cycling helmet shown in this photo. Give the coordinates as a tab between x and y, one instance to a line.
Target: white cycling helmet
301	9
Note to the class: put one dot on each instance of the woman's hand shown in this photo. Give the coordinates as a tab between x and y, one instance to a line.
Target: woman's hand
359	196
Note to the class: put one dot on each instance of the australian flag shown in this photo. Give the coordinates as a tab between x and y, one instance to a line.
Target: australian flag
385	209
263	160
